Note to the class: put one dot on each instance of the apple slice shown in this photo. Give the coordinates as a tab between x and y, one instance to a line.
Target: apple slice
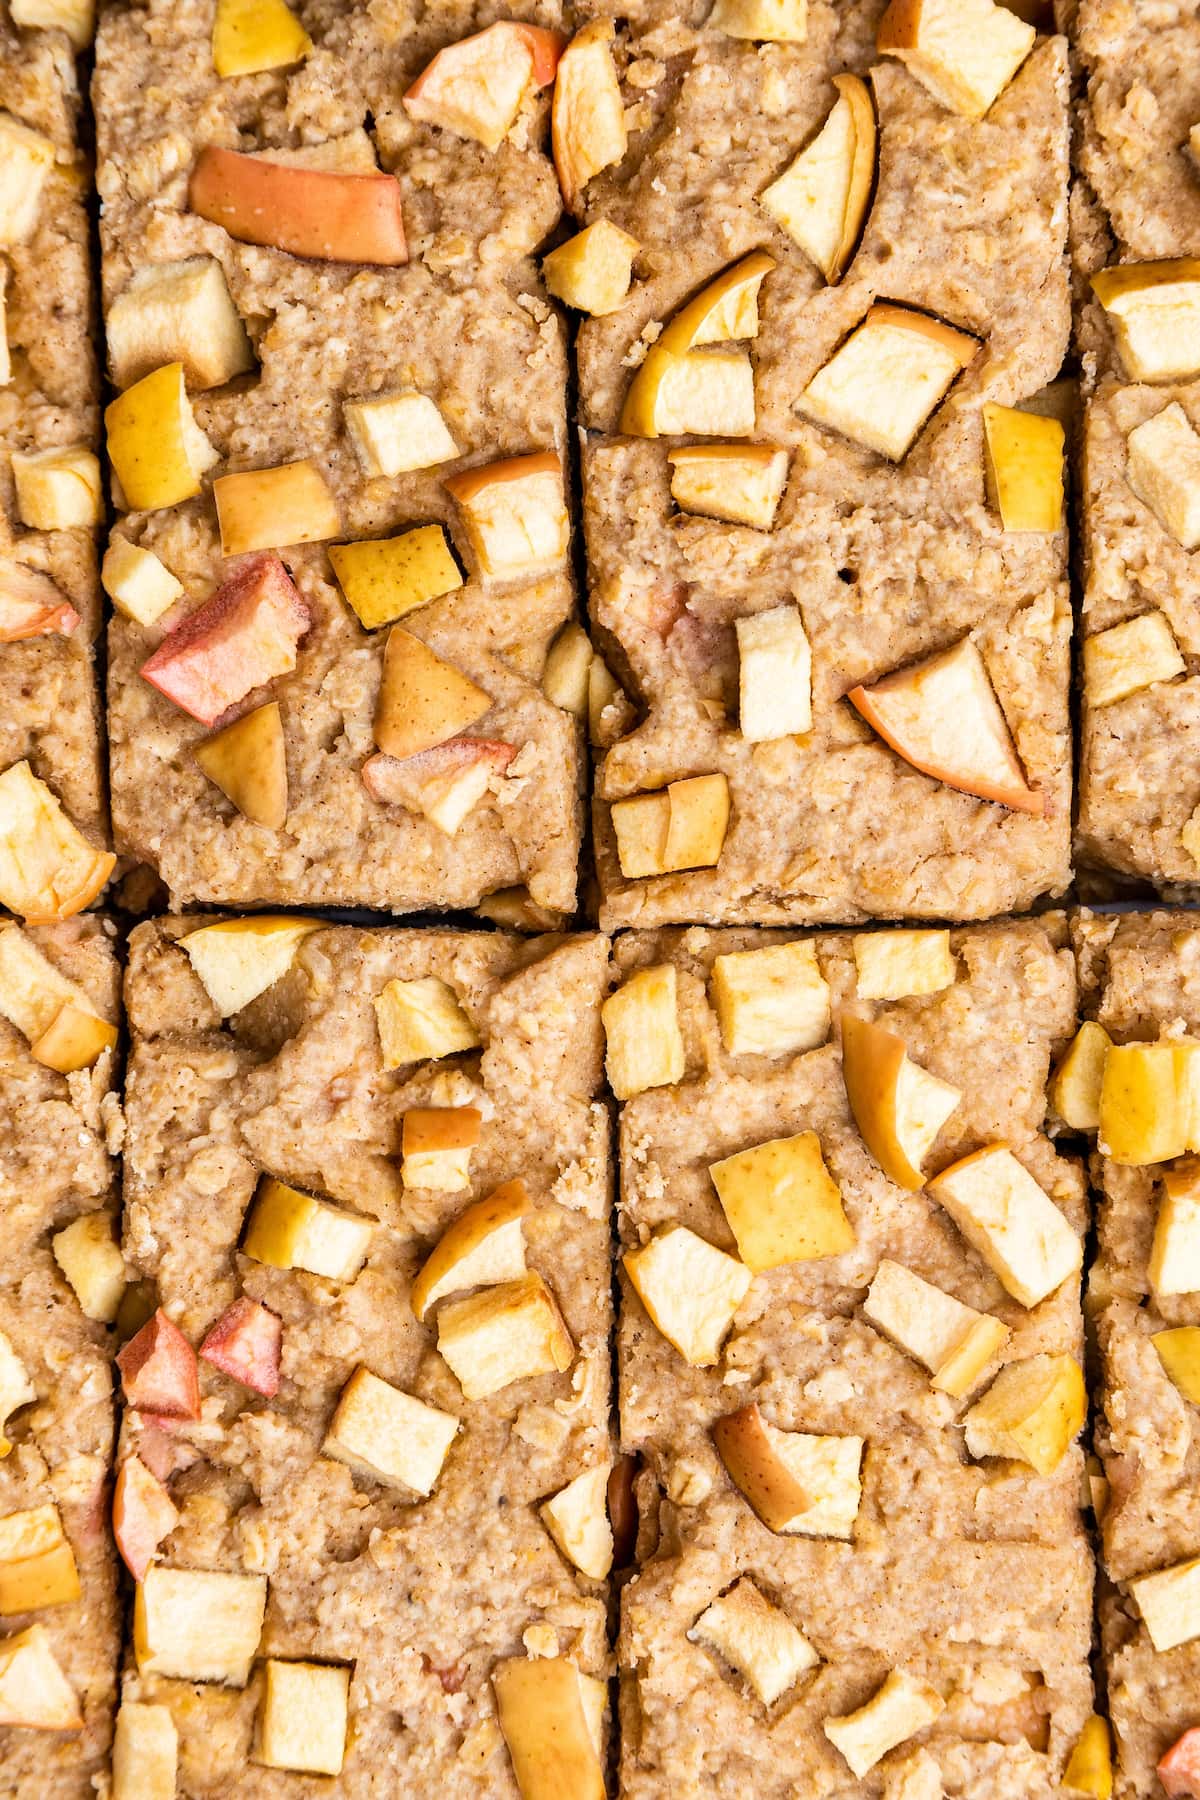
1179	1353
475	87
797	1482
1164	471
955	1343
1089	1766
1024	453
1079	1078
389	1436
552	1718
750	1459
1174	1263
5	357
772	1001
515	515
1031	1413
250	36
890	965
31	605
756	1639
143	1515
33	993
881	386
1178	1770
577	1519
587	121
48	870
178	312
762	21
398	433
484	1246
782	1203
643	1042
964	51
423	700
444	784
421	1019
286	1229
739	483
26	158
145	1755
899	1709
34	1692
327	215
1148	1102
1011	1221
74	1040
1127	658
137	583
198	1624
268	509
435	1146
724	311
91	1261
58	489
821	198
239	959
78	19
1154	308
700	394
690	1289
682	826
898	1106
246	1343
774	675
248	762
156	448
37	1563
943	717
511	1332
592	271
385	578
304	1717
158	1370
245	635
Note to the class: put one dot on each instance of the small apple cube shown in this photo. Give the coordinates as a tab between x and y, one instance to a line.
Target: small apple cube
291	1230
48	870
326	214
26	158
1149	1102
1089	1766
248	762
178	312
32	991
898	1106
58	489
145	1757
690	1289
515	515
1031	1413
641	1028
890	965
1077	1082
698	393
881	386
420	1020
681	827
137	583
157	450
92	1262
1169	1602
77	18
198	1624
158	1370
436	1145
566	674
1164	471
476	87
246	635
389	1436
782	1203
484	1247
774	675
762	21
1024	453
821	198
552	1718
398	433
34	1692
252	35
16	1389
266	509
1175	1253
756	1639
954	1342
443	784
239	959
1015	1226
1126	658
387	578
587	121
246	1344
964	51
503	1334
37	1564
771	1002
30	603
302	1725
1178	1770
423	700
577	1519
899	1709
739	483
797	1482
1154	310
592	271
143	1515
1179	1352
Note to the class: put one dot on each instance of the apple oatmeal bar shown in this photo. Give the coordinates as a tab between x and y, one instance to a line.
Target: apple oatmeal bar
849	1363
366	1447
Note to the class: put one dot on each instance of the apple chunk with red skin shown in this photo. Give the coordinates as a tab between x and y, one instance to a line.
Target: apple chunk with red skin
443	784
143	1514
1179	1769
159	1372
943	717
246	1344
319	213
243	637
476	86
31	605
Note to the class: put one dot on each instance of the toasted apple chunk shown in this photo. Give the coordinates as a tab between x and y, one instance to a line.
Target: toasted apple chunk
443	784
1178	1770
143	1515
26	158
1154	310
641	1027
1164	471
137	583
821	198
1174	1266
145	1759
681	826
31	605
1126	658
1077	1081
1010	1221
515	515
592	271
475	87
303	1722
239	959
881	386
1031	1413
423	700
155	446
198	1624
771	1001
92	1263
1169	1602
725	310
782	1203
699	393
552	1718
756	1639
252	35
248	762
247	634
328	215
385	578
397	433
762	21
178	312
891	965
943	717
577	1519
774	675
587	122
388	1435
1089	1766
797	1482
48	870
37	1564
1024	452
964	51
34	1692
290	1230
420	1020
690	1289
266	509
1179	1352
1150	1102
58	489
898	1106
16	1389
246	1344
158	1370
436	1146
899	1709
78	19
954	1342
484	1247
511	1332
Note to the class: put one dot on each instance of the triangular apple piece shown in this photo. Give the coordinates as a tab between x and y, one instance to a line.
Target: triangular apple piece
898	1106
34	1692
423	700
724	311
943	717
248	762
821	198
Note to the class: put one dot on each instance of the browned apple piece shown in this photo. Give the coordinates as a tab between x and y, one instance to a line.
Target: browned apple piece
898	1106
248	762
267	509
317	213
552	1717
749	1457
143	1514
423	700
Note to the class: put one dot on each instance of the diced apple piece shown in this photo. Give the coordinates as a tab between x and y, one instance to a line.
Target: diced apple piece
797	1482
328	215
34	1692
681	826
515	515
78	19
774	675
475	87
390	1436
782	1203
739	483
771	1001
514	909
155	446
1031	1413
143	1515
1154	309
291	1230
423	700
821	198
31	605
252	35
507	1333
577	1519
383	579
587	121
1174	1266
246	635
58	489
303	1722
943	717
1169	1602
484	1247
179	312
436	1146
37	1564
1164	471
48	870
641	1027
398	433
756	1639
267	509
881	386
421	1020
690	1289
1077	1081
1089	1766
1126	658
954	1342
899	1709
964	51
246	1344
32	991
239	959
137	583
1179	1351
26	158
898	1106
566	676
92	1262
1010	1221
609	711
1024	452
444	784
592	271
1178	1770
158	1370
198	1624
890	965
724	311
248	762
1150	1102
699	393
16	1389
145	1757
552	1717
762	21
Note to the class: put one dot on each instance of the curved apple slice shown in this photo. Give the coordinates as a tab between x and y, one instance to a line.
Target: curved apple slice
943	717
898	1106
317	213
248	762
755	1468
821	198
723	312
587	123
475	87
31	605
484	1246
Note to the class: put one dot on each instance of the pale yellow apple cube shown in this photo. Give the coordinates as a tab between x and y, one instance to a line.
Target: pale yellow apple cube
177	312
577	1519
828	1470
508	1333
680	827
91	1260
964	51
48	869
881	386
398	433
592	271
34	1692
1154	310
32	991
757	1639
1126	658
609	712
59	489
1078	1080
436	1146
1179	1352
740	483
782	1203
690	1289
1031	1413
302	1725
899	1709
16	1389
566	676
145	1758
37	1564
1013	1224
381	1432
762	21
1024	462
641	1026
1175	1253
515	515
483	1247
198	1624
699	393
76	17
26	158
1150	1102
890	965
954	1342
1169	1602
421	1020
287	1229
252	35
1164	471
239	959
774	675
771	1002
137	583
